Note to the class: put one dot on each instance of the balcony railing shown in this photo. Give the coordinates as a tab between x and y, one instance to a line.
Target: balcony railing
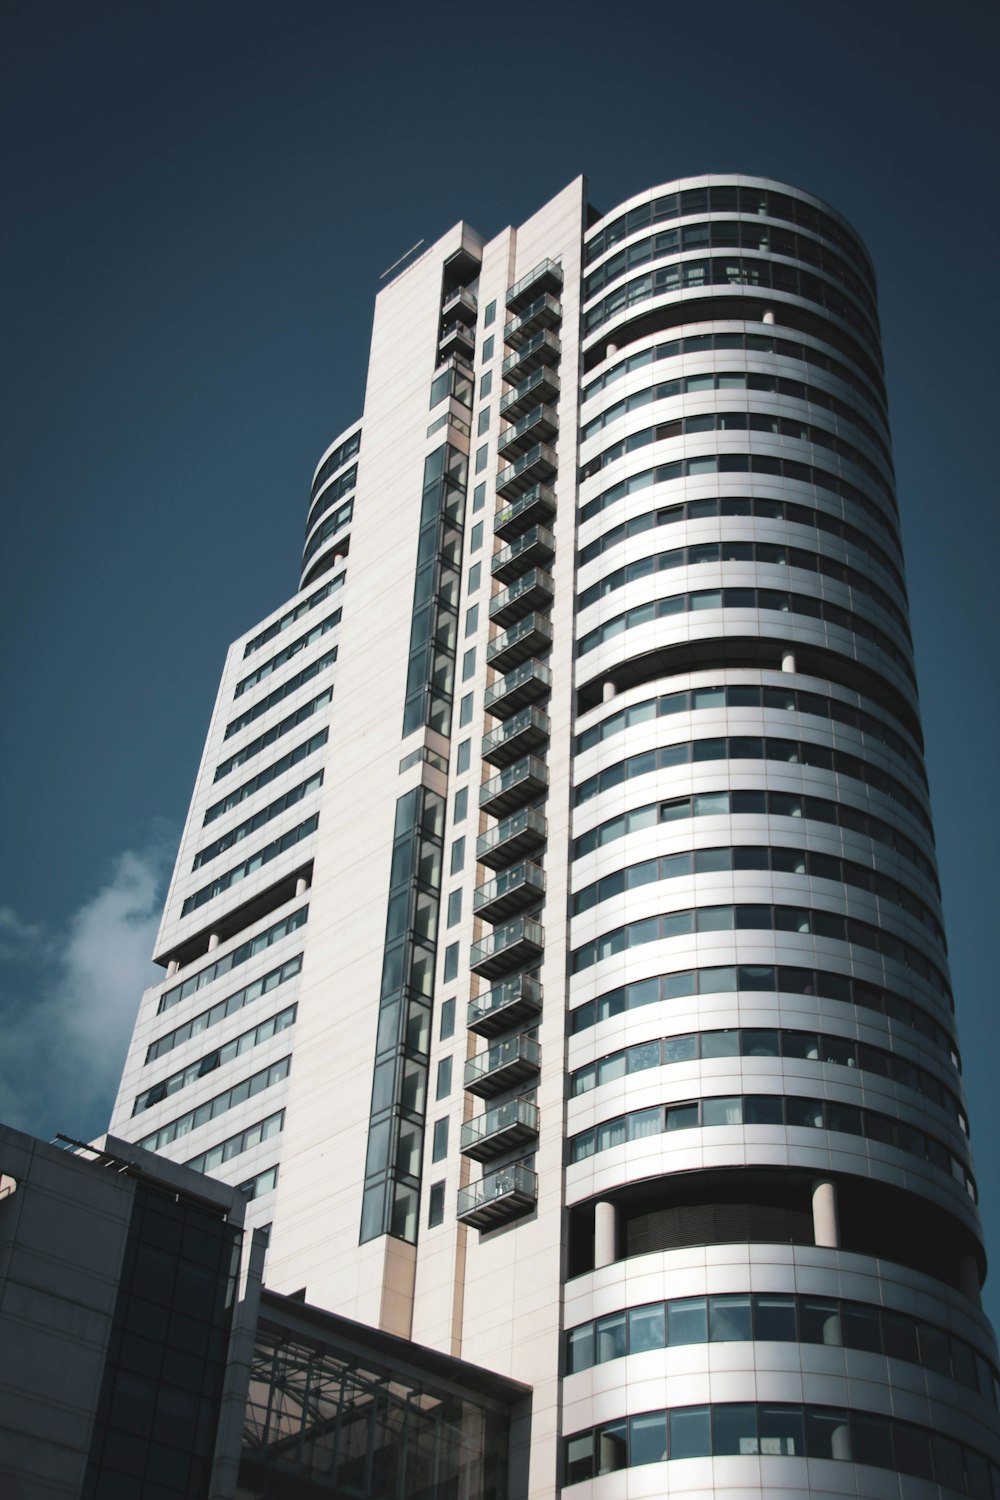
510	1003
543	385
457	336
522	782
511	647
536	504
535	546
504	1128
547	276
502	1066
527	730
528	592
460	304
539	463
515	946
539	425
542	312
543	349
508	1193
516	888
528	683
519	834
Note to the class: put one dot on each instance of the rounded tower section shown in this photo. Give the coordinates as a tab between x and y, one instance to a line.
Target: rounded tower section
763	1080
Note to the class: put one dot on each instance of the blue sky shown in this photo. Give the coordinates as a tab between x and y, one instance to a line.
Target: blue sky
200	196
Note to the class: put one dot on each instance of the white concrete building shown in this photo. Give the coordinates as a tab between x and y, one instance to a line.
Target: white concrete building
554	953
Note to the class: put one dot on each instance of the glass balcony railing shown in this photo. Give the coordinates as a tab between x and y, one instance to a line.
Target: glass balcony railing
501	1129
547	276
527	592
509	947
542	312
542	385
508	1193
515	888
540	424
519	783
526	684
538	463
543	349
533	546
527	730
536	504
509	1003
503	1065
522	831
513	646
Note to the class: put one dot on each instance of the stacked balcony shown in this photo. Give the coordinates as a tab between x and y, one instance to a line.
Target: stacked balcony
508	1193
507	1127
527	730
523	781
516	742
507	1064
512	1002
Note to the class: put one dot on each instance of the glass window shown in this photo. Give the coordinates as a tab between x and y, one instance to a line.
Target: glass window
476	539
774	1318
482	456
465	712
781	1430
461	805
722	1111
859	1328
439	1146
819	1321
648	1438
435	1208
729	1318
646	1328
827	1434
475	574
734	1428
580	1458
455	907
464	752
690	1432
687	1321
720	1044
487	349
609	1334
484	422
913	1450
581	1348
450	962
443	1087
490	313
446	1027
612	1447
682	1117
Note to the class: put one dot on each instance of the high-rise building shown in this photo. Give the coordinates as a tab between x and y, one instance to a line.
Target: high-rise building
554	955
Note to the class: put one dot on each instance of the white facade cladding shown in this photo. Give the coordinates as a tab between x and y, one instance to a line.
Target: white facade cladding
555	949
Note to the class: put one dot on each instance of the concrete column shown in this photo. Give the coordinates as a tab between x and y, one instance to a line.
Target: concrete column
608	692
611	349
213	941
968	1278
172	968
840	1442
301	886
768	317
826	1228
605	1234
788	661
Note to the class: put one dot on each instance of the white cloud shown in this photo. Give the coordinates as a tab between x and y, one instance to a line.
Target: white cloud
72	997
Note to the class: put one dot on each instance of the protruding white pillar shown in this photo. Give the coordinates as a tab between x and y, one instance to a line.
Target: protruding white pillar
172	968
612	349
301	886
605	1234
213	941
840	1442
768	317
788	661
608	692
826	1226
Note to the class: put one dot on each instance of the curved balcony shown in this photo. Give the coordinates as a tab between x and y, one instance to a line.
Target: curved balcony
515	946
526	684
519	783
543	349
535	546
536	504
527	730
504	1128
547	276
506	1194
515	888
542	386
523	640
510	1003
503	1066
523	832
